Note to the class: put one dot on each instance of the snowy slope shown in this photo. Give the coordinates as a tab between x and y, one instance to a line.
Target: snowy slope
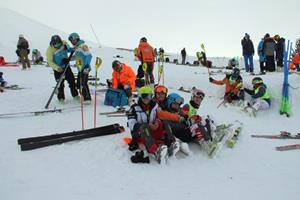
100	168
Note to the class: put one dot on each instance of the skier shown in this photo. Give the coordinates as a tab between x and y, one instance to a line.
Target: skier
233	88
138	122
82	53
183	56
123	77
3	83
57	58
36	57
145	54
232	63
23	51
279	51
262	57
259	94
248	52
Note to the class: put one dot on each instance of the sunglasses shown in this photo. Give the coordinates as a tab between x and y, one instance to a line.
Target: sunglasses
146	96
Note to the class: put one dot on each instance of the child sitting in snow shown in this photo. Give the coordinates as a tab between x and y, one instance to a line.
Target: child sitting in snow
3	83
260	96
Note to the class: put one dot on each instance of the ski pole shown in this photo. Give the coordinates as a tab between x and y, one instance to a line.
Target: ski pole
62	76
145	73
80	73
97	66
222	102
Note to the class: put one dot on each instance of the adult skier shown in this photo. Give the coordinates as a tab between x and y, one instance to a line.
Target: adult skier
23	51
57	58
248	52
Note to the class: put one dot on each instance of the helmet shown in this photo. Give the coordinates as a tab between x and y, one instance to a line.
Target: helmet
257	80
197	93
145	92
34	51
174	98
117	65
277	37
56	41
73	36
143	39
161	89
235	73
21	36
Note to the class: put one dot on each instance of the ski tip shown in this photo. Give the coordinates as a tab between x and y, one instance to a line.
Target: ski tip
127	140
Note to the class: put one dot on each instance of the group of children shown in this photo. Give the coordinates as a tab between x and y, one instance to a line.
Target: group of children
165	125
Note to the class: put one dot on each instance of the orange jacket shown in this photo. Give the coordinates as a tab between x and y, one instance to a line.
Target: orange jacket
296	59
125	76
166	115
145	52
230	88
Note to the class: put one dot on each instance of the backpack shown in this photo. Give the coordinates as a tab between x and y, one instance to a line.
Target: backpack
115	97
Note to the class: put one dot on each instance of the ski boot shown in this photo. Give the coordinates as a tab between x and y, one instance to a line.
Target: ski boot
173	149
161	154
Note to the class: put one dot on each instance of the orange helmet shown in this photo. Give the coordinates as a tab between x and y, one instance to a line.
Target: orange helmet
161	89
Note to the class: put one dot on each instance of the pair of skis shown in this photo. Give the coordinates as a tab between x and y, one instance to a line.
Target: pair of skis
47	140
120	112
282	135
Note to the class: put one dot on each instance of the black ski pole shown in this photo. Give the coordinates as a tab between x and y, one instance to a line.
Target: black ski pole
59	81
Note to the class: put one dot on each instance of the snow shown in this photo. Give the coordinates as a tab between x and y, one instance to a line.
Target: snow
100	168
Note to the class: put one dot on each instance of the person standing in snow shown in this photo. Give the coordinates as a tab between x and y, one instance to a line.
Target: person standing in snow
262	57
23	52
259	94
233	86
145	54
279	51
183	56
248	52
269	48
83	55
57	58
36	57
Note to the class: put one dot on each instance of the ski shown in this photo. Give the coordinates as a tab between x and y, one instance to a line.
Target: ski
118	111
13	87
61	135
282	135
288	147
231	141
36	113
92	133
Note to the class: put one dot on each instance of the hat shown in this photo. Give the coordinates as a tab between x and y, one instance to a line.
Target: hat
21	36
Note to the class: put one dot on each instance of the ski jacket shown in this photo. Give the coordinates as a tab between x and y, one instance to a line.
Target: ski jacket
189	109
125	76
145	52
139	113
183	52
248	48
260	51
259	92
81	52
269	46
235	87
55	56
280	48
22	44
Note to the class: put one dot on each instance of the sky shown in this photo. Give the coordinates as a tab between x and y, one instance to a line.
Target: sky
170	24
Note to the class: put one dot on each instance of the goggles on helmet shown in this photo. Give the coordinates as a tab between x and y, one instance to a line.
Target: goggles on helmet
178	100
161	89
146	96
198	93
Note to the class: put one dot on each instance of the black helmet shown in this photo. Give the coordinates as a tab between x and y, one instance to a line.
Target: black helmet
235	73
143	39
257	80
56	41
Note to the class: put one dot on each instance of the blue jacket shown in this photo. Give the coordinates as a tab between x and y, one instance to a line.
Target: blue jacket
55	56
260	51
82	52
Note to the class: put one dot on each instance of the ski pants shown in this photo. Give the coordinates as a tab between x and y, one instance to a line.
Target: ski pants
69	76
270	63
24	58
248	59
82	85
262	66
180	131
260	104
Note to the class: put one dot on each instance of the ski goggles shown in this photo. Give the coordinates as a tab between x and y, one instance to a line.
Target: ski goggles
199	94
178	100
146	96
161	89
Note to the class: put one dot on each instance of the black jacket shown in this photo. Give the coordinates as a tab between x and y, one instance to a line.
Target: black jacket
248	48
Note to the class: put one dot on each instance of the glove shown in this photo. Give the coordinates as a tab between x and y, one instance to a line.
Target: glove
211	79
65	61
185	121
